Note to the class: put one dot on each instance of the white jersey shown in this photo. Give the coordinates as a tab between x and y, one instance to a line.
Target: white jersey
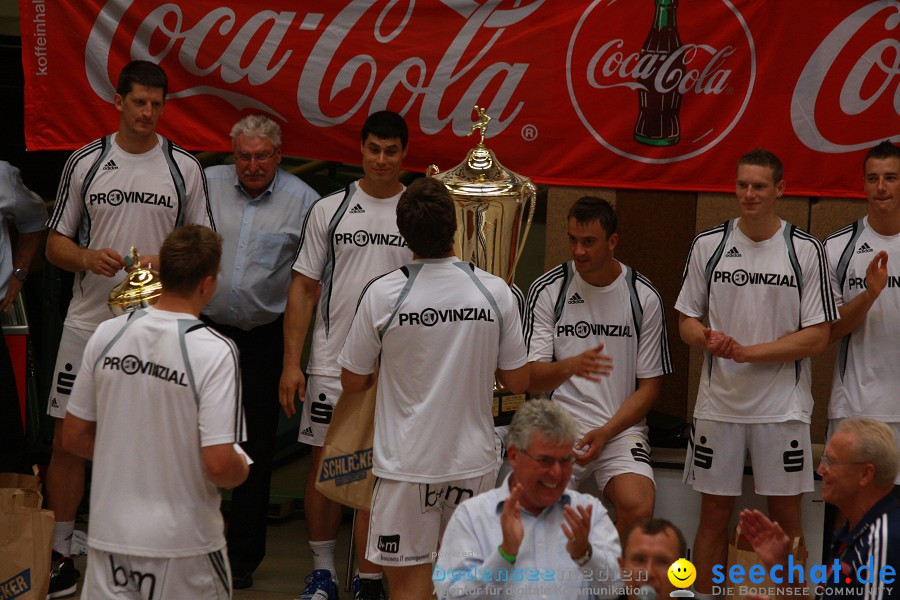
348	238
566	316
867	372
442	327
109	198
756	292
160	385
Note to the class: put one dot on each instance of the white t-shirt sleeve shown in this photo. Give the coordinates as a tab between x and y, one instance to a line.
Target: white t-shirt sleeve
653	357
197	197
313	251
363	343
83	399
67	211
817	299
540	323
512	345
693	300
221	417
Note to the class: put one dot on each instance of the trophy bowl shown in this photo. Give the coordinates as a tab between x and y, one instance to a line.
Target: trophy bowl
140	288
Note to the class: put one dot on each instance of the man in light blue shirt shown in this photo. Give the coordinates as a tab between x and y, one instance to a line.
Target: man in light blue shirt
531	537
259	210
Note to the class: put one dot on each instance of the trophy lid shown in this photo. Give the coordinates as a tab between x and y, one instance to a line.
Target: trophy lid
481	174
140	288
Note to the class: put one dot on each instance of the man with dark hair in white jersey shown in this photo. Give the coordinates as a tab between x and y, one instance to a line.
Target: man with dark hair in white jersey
441	328
130	188
348	238
157	407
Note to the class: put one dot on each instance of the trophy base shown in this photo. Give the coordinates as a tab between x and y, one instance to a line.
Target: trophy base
505	406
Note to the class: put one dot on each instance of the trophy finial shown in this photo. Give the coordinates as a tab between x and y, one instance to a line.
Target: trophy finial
481	123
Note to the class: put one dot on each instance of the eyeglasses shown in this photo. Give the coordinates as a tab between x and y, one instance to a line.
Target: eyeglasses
827	463
259	156
547	462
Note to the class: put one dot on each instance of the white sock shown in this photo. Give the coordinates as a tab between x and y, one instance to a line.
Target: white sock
372	576
62	537
323	556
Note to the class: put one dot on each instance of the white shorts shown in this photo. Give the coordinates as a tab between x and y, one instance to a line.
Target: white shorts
626	454
68	361
322	395
125	577
780	453
895	427
408	519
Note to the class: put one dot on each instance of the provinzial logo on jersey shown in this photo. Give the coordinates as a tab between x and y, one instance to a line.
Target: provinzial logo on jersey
733	253
860	282
582	329
117	197
864	248
132	365
575	299
430	316
366	238
740	277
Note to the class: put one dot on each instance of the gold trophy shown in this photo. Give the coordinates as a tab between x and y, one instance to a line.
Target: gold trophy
139	289
494	210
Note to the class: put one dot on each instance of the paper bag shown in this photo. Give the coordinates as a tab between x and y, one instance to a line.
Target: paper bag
740	552
26	534
346	472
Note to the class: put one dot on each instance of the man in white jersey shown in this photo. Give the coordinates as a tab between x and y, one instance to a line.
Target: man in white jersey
441	328
596	337
756	298
348	238
156	405
861	259
130	188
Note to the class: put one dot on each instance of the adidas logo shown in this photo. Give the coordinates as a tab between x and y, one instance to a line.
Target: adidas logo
575	299
54	403
110	166
864	248
733	253
308	432
356	210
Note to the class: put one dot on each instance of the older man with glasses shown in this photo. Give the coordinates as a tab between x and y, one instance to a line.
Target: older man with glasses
858	469
259	209
532	536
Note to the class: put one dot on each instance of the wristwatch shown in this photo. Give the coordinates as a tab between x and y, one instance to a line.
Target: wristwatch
587	556
20	274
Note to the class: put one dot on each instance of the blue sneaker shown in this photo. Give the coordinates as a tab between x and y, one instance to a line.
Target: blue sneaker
368	589
319	586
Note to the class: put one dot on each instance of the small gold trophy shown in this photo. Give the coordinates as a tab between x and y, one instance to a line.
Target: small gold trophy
139	289
494	210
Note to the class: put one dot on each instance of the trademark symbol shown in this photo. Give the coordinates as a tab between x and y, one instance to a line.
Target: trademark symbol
529	133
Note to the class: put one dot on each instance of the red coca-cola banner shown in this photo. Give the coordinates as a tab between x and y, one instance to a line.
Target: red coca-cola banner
611	93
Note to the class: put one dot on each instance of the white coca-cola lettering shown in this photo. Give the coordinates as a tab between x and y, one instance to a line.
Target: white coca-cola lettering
672	73
257	71
411	74
820	64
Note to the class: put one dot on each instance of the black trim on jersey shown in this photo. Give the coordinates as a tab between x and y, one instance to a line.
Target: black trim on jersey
545	280
238	404
65	181
714	231
855	230
664	350
218	564
171	149
828	306
373	280
331	259
411	271
716	256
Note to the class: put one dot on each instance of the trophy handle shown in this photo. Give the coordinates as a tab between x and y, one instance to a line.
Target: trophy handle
532	202
432	170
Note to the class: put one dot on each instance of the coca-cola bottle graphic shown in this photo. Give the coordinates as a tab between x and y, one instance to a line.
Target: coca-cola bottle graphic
659	99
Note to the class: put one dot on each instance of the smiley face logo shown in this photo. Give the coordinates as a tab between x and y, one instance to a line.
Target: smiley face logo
682	573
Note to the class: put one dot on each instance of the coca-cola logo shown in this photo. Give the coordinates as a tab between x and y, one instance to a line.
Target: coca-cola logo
854	71
334	62
650	99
